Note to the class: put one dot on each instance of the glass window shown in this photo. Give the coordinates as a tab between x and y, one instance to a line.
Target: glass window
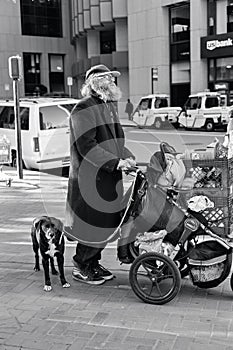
192	103
180	23
41	17
211	13
107	42
180	33
211	102
54	117
144	104
161	102
230	17
56	73
7	118
31	66
224	68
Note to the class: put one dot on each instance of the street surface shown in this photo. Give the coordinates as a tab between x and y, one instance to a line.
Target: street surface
104	317
144	142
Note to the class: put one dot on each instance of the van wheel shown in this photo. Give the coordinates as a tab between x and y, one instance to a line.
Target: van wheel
157	123
209	125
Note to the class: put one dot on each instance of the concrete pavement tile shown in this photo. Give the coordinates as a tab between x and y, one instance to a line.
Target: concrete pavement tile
118	333
198	346
139	340
218	330
60	347
136	333
99	318
183	343
79	344
81	334
161	336
193	326
58	329
99	339
164	345
144	347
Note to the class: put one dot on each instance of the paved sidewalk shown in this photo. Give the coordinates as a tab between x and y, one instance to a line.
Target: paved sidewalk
85	317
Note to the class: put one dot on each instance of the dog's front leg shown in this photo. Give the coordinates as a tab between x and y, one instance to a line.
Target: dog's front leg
60	262
54	271
35	247
45	263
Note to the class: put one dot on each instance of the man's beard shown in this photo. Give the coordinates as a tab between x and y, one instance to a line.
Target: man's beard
107	91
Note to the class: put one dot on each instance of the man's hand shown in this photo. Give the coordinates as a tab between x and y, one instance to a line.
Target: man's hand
125	164
131	161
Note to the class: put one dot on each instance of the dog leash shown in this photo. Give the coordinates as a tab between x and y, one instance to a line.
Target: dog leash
110	238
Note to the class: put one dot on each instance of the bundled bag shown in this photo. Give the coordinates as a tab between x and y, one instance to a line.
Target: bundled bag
150	241
209	263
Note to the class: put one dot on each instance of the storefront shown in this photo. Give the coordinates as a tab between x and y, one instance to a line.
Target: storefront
218	50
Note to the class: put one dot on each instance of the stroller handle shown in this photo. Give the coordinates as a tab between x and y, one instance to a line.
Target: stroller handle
131	169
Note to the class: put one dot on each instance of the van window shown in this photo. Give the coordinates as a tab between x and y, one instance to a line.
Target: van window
145	104
54	117
192	103
211	102
7	117
160	103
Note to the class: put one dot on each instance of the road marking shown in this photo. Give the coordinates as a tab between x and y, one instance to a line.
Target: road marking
136	141
183	133
70	244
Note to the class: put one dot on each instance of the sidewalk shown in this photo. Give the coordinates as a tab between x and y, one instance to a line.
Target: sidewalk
86	317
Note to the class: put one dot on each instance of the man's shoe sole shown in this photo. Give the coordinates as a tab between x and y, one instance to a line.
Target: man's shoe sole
96	283
108	278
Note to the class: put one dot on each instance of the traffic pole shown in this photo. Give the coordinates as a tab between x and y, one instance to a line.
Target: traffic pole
18	128
15	72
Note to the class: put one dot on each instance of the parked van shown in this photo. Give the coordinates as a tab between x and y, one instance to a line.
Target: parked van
44	131
206	110
154	111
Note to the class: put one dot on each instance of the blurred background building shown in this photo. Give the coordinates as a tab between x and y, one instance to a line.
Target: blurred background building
160	46
38	31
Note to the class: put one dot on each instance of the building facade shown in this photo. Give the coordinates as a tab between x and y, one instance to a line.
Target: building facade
39	32
175	47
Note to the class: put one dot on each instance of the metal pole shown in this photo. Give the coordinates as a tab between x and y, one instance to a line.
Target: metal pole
152	82
17	129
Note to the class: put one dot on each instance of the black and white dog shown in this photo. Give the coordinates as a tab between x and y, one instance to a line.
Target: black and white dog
46	233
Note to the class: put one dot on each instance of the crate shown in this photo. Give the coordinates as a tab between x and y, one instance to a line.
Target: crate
214	179
209	173
219	217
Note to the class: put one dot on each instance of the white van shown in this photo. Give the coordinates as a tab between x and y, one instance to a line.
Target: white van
44	131
154	111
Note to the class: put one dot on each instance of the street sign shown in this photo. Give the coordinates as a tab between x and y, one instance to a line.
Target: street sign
155	73
15	67
69	81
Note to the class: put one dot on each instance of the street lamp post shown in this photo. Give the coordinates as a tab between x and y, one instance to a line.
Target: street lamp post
15	73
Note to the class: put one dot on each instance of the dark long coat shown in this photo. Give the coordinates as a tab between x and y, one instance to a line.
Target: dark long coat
95	190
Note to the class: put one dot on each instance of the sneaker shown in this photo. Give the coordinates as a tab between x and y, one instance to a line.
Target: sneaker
86	276
102	272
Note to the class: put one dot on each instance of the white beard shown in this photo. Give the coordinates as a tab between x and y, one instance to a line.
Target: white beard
107	91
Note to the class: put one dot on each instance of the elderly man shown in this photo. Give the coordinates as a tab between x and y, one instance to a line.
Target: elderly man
95	190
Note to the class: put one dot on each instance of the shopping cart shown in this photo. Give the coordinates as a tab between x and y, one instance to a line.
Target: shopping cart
5	159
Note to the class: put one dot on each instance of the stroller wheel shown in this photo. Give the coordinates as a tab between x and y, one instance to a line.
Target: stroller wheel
154	278
231	281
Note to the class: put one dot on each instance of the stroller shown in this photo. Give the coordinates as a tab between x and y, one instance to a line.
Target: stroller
185	242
